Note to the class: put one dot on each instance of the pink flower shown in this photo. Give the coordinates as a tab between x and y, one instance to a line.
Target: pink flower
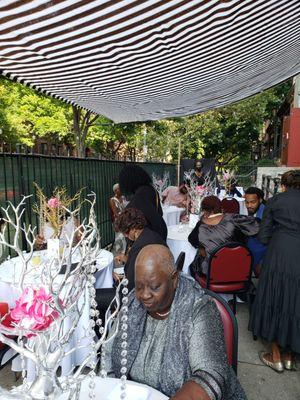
200	189
226	176
53	202
34	310
159	182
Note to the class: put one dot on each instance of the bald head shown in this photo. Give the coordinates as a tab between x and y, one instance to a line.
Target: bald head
155	257
155	278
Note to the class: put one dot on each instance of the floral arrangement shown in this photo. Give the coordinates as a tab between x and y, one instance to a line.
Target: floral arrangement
42	327
53	210
196	192
228	179
35	310
160	184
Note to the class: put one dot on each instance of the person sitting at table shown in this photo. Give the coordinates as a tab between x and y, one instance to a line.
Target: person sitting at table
69	226
117	204
215	229
176	196
175	340
133	225
134	181
255	204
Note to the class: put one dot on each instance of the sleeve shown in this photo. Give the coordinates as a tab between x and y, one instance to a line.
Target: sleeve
248	225
166	192
267	224
194	236
207	354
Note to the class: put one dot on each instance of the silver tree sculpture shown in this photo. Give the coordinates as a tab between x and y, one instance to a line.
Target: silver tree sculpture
161	183
57	303
196	192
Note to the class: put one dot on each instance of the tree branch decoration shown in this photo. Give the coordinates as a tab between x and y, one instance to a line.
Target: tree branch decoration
160	184
53	210
47	312
196	192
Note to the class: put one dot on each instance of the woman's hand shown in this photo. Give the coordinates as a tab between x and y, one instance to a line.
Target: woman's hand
121	259
191	391
40	240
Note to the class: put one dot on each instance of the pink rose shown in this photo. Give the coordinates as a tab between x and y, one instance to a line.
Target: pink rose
226	176
159	182
34	310
200	189
53	202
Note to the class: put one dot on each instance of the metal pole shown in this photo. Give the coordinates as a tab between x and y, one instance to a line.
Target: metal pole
178	161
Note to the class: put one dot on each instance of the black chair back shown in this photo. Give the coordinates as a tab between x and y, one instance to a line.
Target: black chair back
180	261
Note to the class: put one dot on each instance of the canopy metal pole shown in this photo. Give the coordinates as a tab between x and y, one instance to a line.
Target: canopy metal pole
178	161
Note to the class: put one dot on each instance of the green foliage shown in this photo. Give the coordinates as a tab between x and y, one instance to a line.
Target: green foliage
226	134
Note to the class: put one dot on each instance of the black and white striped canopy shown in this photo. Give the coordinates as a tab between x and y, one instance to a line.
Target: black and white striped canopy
135	60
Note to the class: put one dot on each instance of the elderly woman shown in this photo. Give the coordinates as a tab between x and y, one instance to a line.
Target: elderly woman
216	228
175	336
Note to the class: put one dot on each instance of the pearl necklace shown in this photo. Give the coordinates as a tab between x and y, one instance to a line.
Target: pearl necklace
162	314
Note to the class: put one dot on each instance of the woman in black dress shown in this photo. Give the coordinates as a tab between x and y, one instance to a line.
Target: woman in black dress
275	315
133	225
215	229
134	181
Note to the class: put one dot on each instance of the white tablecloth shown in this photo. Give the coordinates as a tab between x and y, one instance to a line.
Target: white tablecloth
171	214
9	294
177	241
109	389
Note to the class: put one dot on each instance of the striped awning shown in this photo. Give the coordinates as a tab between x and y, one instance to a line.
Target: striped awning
137	60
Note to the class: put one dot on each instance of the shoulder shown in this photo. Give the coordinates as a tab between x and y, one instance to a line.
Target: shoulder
148	236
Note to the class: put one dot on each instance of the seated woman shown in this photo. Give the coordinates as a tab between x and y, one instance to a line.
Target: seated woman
175	336
69	227
133	225
215	229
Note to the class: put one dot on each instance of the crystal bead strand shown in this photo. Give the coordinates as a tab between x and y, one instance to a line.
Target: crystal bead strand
94	314
124	326
23	361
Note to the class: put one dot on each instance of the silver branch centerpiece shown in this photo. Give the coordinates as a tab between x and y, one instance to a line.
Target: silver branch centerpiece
197	193
44	319
161	183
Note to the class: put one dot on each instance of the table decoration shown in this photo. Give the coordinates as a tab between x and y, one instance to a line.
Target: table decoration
39	318
197	193
227	180
161	183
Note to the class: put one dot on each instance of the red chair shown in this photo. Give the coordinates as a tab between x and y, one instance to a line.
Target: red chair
229	270
230	205
4	309
230	328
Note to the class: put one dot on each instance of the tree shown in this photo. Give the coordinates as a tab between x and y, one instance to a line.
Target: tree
82	122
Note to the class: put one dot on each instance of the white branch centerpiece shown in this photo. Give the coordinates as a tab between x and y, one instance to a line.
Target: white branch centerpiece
161	183
49	307
197	192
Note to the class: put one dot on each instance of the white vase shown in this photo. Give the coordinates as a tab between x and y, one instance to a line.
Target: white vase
194	218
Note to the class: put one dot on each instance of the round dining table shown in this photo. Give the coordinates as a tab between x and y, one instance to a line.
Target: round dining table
110	389
171	214
9	272
177	241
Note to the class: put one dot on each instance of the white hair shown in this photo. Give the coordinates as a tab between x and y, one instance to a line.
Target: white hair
115	187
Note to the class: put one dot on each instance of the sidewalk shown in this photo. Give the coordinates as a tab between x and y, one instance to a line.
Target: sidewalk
259	381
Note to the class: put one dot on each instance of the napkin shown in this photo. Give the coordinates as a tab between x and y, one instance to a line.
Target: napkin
134	392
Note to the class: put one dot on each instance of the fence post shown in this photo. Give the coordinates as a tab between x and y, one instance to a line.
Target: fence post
22	193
